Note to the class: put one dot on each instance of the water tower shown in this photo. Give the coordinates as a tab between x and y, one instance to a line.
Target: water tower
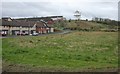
77	14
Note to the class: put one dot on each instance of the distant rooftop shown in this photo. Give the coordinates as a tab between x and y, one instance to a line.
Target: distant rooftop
6	18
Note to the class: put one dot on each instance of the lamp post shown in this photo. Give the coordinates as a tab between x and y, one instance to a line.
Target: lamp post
9	29
28	26
10	25
20	30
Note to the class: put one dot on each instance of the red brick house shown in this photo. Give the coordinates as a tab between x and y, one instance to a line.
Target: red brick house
15	27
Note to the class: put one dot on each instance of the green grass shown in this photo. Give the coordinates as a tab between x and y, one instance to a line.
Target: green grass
91	26
77	50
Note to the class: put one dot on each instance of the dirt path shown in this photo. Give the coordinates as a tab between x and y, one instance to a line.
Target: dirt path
7	67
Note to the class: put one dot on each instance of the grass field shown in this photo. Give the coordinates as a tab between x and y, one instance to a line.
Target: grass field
69	52
0	55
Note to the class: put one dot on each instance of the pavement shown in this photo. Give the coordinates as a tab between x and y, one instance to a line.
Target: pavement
14	36
8	36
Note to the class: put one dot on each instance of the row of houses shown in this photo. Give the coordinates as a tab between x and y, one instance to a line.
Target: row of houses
25	27
101	19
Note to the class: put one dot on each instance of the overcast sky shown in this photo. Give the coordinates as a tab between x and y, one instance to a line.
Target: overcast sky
66	8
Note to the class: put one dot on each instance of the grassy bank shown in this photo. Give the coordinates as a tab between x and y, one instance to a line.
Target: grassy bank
74	51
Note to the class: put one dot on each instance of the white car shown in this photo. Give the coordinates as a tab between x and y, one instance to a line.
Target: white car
35	34
30	34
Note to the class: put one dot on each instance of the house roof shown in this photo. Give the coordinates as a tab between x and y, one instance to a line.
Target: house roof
17	23
49	18
6	18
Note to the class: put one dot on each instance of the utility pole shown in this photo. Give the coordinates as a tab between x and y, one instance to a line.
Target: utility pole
28	26
10	25
20	30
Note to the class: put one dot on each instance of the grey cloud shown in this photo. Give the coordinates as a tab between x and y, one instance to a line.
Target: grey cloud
89	9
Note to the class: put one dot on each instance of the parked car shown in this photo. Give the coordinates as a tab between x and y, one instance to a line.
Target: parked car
30	34
3	34
22	34
35	34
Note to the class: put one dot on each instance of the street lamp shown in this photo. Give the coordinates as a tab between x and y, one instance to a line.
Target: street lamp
28	26
20	30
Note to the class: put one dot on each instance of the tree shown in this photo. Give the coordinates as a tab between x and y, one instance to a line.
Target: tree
69	20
